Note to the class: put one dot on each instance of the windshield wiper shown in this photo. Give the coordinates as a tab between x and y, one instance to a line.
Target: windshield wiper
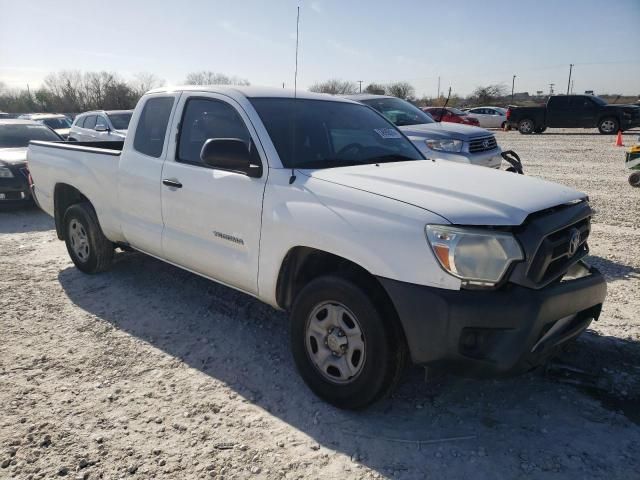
328	163
390	158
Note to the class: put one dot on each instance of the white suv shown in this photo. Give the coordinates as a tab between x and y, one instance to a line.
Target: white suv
101	126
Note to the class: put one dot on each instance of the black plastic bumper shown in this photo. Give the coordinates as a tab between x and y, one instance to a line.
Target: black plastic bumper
497	332
15	191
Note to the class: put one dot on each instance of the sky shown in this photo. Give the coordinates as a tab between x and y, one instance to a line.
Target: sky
465	43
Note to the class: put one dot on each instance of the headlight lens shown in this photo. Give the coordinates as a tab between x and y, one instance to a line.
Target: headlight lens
5	173
444	144
478	257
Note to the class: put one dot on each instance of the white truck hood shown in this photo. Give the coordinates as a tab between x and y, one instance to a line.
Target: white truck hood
457	131
13	156
462	194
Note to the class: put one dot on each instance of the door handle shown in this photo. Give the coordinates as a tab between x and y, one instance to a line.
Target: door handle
171	183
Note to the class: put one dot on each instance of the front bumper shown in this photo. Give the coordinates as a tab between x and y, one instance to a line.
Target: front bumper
15	191
498	332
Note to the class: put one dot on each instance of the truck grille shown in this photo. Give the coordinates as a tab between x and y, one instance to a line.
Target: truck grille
482	144
559	250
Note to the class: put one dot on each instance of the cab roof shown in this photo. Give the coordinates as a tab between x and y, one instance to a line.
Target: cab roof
252	92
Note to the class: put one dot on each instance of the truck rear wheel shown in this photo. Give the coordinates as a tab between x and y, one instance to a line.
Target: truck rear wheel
346	349
88	248
608	126
526	126
634	179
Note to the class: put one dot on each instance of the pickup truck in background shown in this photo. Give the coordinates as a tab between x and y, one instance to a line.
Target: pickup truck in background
574	111
321	207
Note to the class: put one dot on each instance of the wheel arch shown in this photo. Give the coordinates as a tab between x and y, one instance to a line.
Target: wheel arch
65	195
303	264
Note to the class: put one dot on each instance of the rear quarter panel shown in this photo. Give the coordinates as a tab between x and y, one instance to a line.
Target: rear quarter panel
93	174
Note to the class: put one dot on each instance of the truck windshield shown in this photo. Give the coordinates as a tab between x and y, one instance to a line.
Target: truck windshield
13	136
398	111
326	134
120	121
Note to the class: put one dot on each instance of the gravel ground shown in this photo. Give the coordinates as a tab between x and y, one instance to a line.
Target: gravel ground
148	371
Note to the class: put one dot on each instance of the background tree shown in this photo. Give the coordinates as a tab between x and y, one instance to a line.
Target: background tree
488	94
206	77
375	89
402	90
144	81
334	87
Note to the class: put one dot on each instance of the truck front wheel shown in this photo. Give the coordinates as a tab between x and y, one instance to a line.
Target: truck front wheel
526	126
608	126
347	349
88	248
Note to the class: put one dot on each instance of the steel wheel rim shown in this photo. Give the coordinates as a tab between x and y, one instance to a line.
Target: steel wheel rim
335	343
608	126
79	240
526	126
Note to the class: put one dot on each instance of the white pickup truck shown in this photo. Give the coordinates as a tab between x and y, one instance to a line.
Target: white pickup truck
321	207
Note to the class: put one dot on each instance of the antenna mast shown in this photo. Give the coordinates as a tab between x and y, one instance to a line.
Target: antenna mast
295	97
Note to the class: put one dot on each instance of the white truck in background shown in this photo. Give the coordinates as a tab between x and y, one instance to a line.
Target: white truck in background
321	207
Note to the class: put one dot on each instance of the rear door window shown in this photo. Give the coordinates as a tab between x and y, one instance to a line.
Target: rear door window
152	126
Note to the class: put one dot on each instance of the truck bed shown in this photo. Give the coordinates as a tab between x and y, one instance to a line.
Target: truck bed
89	167
109	148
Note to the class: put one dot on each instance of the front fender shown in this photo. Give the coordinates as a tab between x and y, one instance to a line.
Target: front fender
382	235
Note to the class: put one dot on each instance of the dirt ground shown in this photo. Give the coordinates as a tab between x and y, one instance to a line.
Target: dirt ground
148	371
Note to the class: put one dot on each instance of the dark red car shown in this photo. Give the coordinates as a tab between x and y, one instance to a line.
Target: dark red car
452	115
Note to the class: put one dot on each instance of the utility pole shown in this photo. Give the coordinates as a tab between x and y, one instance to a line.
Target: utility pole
569	82
438	96
360	82
513	84
551	85
571	87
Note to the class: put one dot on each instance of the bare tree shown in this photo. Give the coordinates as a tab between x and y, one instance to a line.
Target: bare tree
402	90
206	77
334	87
144	81
488	94
375	89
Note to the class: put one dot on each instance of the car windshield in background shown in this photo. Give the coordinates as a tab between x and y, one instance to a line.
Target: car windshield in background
326	134
57	123
120	121
13	136
398	111
456	111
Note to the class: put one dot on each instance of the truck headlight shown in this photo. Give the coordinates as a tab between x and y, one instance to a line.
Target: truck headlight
5	173
444	144
478	257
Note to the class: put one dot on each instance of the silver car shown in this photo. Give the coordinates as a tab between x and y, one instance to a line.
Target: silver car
100	126
489	117
437	140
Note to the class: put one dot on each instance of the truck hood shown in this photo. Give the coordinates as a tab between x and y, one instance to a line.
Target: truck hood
462	194
13	156
457	131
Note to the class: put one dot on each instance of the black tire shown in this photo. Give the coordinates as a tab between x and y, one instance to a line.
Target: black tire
608	126
385	352
81	219
503	125
540	130
526	126
634	179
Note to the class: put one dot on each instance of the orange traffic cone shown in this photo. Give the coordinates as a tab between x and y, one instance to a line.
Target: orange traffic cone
619	139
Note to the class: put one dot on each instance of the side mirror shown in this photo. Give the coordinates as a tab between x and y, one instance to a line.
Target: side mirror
231	154
101	128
